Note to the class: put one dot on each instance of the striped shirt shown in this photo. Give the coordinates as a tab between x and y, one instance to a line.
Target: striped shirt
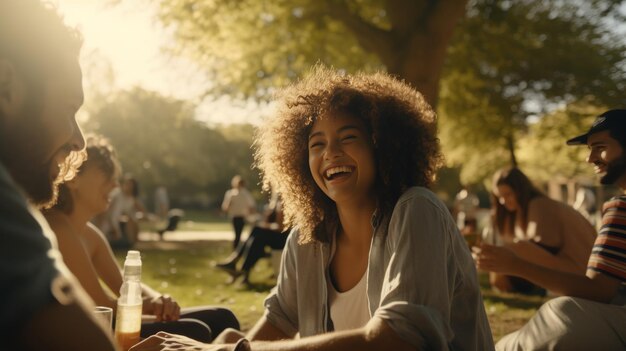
609	250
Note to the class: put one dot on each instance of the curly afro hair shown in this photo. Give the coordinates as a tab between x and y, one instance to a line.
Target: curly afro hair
401	123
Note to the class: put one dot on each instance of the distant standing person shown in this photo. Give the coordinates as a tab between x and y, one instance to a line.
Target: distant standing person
127	209
465	208
161	202
238	203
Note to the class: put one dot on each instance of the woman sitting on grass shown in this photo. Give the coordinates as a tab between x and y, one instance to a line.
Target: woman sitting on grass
375	261
537	229
88	255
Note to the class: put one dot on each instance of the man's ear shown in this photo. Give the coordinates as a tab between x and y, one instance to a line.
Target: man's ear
12	89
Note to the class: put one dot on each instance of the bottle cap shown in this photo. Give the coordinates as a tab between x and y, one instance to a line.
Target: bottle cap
133	255
133	258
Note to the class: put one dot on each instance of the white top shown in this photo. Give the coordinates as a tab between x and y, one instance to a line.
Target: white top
121	204
349	309
238	202
127	204
161	201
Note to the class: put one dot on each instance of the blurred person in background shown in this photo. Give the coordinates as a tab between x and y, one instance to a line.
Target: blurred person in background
238	204
465	209
89	257
161	202
538	229
270	232
585	203
126	211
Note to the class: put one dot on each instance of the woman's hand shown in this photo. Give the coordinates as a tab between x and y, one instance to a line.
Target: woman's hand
495	259
163	341
163	307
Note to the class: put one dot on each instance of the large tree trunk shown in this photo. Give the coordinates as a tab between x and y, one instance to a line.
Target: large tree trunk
415	47
421	66
422	46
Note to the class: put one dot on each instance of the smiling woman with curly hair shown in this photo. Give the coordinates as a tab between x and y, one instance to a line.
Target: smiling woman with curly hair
373	250
375	260
401	124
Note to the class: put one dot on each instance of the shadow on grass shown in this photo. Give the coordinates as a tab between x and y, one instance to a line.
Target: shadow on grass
514	300
260	287
511	300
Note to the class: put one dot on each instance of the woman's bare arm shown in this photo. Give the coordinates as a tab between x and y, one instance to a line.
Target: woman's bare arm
532	252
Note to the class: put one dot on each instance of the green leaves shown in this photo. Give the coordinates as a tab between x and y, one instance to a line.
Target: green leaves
543	151
159	142
513	60
250	48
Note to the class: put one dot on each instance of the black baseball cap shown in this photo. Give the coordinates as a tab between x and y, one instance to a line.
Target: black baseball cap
613	120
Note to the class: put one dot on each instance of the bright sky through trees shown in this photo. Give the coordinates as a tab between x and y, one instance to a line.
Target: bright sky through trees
130	38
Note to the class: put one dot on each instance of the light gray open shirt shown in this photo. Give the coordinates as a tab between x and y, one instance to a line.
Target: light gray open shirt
421	280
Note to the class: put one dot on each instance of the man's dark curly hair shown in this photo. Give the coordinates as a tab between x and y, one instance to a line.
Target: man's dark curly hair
400	121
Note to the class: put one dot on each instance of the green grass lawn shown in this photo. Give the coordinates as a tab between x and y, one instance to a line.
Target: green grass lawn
194	220
185	270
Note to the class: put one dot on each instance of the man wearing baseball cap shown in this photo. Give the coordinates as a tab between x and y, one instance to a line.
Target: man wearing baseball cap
591	314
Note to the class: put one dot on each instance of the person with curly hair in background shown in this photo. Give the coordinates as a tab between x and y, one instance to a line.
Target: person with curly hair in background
375	260
89	257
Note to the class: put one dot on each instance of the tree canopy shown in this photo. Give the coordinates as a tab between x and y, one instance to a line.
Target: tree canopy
251	47
548	136
505	61
513	60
